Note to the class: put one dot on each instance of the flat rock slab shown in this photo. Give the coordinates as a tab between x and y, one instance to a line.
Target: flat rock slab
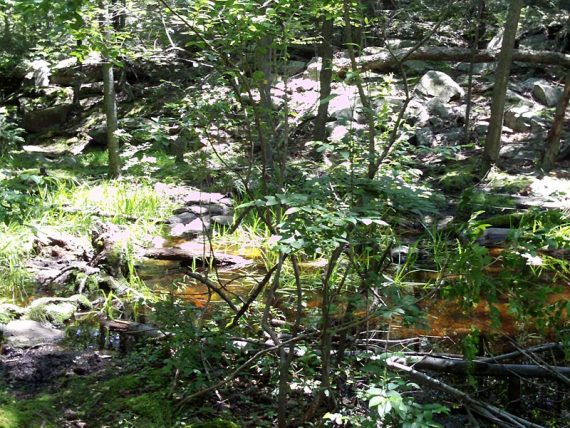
26	333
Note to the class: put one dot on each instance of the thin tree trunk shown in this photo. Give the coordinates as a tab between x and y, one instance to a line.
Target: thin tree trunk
325	80
110	101
474	43
553	140
493	143
366	105
263	65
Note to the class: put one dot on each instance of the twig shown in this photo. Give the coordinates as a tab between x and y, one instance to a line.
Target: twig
212	286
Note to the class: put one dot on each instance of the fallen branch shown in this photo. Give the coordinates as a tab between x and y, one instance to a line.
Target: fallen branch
498	416
479	368
198	258
518	353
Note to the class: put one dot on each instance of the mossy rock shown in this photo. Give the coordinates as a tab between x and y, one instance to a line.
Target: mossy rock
9	312
56	314
57	310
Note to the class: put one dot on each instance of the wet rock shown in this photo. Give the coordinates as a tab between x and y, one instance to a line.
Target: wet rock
547	95
199	226
201	198
57	310
439	85
223	220
25	333
43	119
182	218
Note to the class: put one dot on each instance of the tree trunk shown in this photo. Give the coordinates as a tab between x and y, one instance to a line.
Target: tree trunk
110	103
480	7
263	83
110	100
553	140
493	143
325	80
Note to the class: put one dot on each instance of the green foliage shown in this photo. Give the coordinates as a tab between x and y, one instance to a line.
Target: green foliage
392	405
11	137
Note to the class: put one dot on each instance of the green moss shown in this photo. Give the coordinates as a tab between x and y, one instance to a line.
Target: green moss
27	413
456	180
152	408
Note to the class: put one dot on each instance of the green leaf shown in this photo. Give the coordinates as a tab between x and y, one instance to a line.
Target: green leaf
292	210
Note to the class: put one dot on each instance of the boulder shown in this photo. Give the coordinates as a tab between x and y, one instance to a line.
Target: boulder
41	120
38	72
9	312
223	220
546	94
521	118
201	198
424	136
91	90
417	113
313	70
346	105
27	333
290	68
57	310
182	218
69	72
337	132
199	226
439	85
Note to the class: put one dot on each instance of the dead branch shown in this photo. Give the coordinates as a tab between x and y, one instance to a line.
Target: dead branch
498	416
478	368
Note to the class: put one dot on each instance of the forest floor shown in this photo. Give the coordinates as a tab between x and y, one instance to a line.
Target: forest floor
64	222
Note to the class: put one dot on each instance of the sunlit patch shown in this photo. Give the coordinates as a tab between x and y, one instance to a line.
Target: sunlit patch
532	260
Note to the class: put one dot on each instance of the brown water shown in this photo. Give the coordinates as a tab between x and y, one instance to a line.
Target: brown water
444	317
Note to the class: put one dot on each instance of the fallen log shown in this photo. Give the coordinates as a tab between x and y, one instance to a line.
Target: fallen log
197	258
482	368
131	327
386	61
